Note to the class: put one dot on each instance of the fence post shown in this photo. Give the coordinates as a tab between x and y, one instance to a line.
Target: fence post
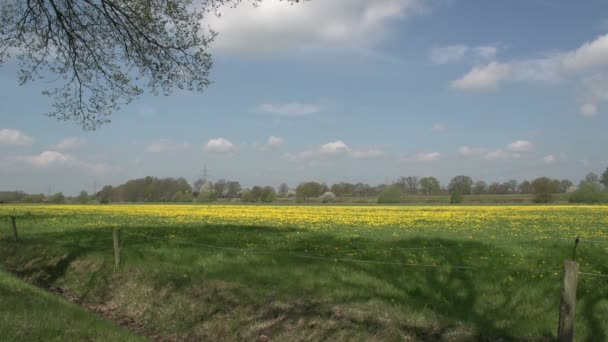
115	237
14	224
565	330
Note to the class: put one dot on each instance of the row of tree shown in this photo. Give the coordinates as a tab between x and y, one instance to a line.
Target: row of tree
153	189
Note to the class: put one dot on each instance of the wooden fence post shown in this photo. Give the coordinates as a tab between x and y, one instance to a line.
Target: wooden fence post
115	236
565	330
14	224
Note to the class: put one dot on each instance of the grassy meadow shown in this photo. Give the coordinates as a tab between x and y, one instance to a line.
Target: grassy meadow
32	314
246	272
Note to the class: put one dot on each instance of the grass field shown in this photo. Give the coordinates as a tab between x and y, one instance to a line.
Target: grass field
31	314
319	272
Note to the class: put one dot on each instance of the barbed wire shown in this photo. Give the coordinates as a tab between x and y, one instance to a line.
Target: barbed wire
335	259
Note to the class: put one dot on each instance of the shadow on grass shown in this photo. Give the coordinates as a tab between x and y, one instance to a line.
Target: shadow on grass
176	258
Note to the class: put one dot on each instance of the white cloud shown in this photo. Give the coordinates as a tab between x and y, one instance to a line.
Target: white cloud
550	159
422	157
589	55
166	145
49	158
466	151
438	127
291	109
550	68
272	143
500	155
483	77
275	142
14	137
334	148
462	53
520	146
220	146
70	143
589	110
373	152
276	26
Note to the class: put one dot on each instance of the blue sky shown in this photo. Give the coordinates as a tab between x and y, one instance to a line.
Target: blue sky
348	90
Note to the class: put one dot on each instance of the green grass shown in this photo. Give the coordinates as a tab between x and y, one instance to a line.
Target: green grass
170	286
28	313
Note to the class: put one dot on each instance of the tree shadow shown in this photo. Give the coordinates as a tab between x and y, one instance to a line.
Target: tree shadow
270	262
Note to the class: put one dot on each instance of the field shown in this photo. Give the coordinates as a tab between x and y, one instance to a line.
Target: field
29	313
319	272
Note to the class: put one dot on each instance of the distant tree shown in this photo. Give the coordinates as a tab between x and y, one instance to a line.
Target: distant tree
309	190
57	198
497	189
589	193
461	184
206	196
411	185
604	179
268	194
391	194
196	185
511	186
544	188
105	194
282	190
564	185
328	197
33	198
430	186
234	189
83	197
480	188
525	187
455	197
590	178
221	188
343	189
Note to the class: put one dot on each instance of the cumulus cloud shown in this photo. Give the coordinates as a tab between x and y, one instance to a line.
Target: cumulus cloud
276	26
166	145
500	155
372	152
483	77
334	148
589	110
219	146
14	137
512	151
520	146
595	91
291	109
467	151
550	68
462	53
421	157
272	143
70	143
550	159
49	158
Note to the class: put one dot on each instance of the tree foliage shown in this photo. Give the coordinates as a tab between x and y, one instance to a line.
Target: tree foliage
103	53
461	184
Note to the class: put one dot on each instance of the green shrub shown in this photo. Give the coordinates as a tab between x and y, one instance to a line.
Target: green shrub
392	194
456	197
589	193
543	188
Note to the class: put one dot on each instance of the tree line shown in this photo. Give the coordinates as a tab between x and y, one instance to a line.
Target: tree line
591	189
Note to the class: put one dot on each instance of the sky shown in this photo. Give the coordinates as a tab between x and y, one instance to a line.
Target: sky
347	90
